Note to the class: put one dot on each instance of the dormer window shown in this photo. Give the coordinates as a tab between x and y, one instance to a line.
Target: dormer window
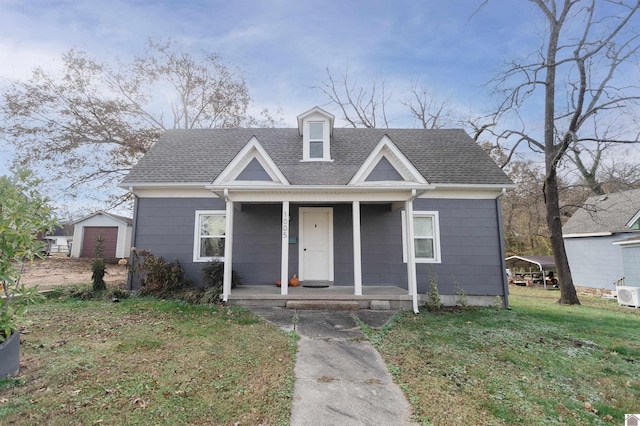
316	126
316	140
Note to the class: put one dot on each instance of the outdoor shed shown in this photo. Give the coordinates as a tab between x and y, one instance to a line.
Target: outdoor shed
526	270
115	231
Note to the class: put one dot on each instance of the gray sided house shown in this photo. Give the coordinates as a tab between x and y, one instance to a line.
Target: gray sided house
601	240
359	211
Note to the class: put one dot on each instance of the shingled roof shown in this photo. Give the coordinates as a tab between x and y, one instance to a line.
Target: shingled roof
605	213
199	155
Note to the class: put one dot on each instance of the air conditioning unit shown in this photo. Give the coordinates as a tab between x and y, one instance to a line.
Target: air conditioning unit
629	296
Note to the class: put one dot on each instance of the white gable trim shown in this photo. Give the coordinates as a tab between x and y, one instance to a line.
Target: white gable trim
253	149
315	111
634	219
386	148
587	234
627	242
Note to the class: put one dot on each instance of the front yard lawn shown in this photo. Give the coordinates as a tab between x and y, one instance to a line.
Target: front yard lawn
539	363
147	361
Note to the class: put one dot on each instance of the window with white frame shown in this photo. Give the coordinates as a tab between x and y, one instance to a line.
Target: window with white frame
426	236
316	140
210	229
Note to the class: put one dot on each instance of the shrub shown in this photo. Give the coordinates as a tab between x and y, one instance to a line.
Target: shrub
24	213
461	296
213	275
98	267
156	276
433	297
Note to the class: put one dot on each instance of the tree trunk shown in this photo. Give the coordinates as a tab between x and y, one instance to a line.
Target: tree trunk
568	295
553	153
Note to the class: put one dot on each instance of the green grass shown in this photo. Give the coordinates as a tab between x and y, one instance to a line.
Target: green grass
146	361
539	363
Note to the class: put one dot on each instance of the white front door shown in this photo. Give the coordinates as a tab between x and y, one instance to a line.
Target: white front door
316	244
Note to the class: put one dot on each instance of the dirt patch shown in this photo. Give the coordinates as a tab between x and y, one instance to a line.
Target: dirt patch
589	291
56	271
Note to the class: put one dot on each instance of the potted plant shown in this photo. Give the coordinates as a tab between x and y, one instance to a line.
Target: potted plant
24	213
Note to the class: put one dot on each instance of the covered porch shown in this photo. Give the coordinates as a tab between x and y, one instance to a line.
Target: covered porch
372	297
314	204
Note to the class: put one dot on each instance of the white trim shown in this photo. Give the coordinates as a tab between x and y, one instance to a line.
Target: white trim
386	148
228	253
315	111
326	138
316	115
133	186
317	160
301	212
406	242
206	190
467	191
634	219
412	275
284	262
253	149
196	234
587	234
627	243
319	194
357	250
172	192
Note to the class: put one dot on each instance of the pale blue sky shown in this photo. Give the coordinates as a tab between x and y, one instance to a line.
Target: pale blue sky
284	46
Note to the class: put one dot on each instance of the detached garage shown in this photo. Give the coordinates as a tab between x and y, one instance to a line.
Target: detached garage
115	231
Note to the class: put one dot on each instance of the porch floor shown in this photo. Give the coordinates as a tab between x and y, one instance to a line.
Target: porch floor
267	295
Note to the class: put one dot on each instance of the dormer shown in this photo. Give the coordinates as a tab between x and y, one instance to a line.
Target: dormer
316	127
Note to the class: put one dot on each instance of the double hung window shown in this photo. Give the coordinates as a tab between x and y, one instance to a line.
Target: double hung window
426	237
210	232
316	140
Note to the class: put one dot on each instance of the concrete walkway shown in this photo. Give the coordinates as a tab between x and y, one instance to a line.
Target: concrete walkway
340	378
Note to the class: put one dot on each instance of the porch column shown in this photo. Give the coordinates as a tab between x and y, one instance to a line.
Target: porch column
411	255
228	249
284	266
357	250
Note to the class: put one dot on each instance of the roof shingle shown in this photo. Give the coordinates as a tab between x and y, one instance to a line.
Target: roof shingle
199	155
605	213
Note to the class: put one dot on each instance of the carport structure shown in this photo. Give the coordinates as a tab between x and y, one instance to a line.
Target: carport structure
531	269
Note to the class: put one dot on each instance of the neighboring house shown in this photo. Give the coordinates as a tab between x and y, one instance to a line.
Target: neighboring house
59	241
599	240
115	231
330	205
630	248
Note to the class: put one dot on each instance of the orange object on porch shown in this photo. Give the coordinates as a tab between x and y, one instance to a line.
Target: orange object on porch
294	281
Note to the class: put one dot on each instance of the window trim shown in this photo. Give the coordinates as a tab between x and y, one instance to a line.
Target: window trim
326	148
635	220
197	236
436	236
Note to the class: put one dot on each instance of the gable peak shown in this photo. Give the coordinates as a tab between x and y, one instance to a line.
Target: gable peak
315	113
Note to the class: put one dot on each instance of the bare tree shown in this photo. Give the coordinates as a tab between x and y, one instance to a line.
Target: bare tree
368	105
90	123
360	106
577	73
428	109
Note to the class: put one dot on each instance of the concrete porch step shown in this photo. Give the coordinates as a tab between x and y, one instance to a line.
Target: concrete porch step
323	305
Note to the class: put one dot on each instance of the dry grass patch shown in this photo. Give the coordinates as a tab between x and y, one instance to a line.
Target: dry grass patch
146	361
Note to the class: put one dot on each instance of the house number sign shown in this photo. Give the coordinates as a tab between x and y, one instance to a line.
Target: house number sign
285	225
